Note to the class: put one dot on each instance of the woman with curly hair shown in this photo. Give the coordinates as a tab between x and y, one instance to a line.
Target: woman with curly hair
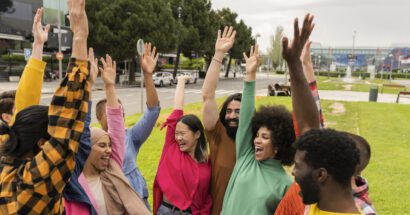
263	145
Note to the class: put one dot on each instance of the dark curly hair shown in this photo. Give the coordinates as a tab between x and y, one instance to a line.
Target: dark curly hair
332	150
233	97
279	122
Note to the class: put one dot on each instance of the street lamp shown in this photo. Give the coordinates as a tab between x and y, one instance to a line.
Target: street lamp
391	65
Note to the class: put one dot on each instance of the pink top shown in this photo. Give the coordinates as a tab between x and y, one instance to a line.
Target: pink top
116	132
180	178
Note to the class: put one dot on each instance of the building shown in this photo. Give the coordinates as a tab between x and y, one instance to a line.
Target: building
16	21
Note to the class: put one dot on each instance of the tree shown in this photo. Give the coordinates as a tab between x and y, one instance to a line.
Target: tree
5	6
275	51
117	25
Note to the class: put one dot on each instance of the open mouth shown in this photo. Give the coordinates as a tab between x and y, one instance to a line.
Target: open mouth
181	145
105	160
258	150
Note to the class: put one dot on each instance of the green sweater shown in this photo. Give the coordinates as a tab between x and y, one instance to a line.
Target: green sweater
255	187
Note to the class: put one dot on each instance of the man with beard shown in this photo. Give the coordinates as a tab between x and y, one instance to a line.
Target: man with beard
220	129
325	162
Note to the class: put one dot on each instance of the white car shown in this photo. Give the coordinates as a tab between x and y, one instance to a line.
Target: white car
163	78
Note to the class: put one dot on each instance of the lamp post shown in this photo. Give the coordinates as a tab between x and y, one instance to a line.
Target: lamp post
391	66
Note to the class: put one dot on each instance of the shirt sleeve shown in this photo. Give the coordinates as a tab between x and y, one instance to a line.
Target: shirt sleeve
143	128
244	134
29	87
84	148
171	124
51	169
116	131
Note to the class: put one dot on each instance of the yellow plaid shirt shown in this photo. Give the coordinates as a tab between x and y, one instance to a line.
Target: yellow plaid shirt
35	186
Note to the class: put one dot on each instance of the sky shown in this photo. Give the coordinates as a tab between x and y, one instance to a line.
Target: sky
378	23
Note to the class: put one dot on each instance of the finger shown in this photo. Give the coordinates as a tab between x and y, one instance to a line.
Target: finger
90	54
156	58
47	28
225	31
109	60
115	67
251	52
305	28
296	29
230	31
153	52
233	35
103	63
82	5
96	61
149	49
285	44
310	31
219	34
244	56
70	5
145	50
101	70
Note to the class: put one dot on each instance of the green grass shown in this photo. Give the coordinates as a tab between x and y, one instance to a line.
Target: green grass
325	83
385	126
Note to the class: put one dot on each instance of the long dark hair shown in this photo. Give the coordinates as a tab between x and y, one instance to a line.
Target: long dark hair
194	124
29	127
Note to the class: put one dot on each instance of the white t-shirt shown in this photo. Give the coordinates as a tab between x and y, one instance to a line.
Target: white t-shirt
96	189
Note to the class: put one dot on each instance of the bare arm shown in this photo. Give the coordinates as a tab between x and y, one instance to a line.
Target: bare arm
223	43
179	93
40	35
79	27
303	103
148	63
307	63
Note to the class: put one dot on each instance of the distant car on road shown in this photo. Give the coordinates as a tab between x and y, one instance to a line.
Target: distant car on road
163	78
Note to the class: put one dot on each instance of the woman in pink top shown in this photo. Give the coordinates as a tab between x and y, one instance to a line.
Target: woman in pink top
102	178
182	184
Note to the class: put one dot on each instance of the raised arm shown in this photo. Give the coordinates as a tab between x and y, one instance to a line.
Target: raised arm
304	106
67	112
148	63
223	44
179	93
31	82
115	118
244	134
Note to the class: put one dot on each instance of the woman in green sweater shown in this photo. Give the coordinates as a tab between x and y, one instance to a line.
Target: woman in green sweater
263	144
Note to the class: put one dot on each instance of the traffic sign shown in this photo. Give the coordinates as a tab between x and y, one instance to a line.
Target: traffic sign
60	56
27	54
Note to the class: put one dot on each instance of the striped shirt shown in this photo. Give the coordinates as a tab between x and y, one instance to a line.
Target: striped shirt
35	186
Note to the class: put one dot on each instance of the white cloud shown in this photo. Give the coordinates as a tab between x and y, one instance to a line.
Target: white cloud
377	22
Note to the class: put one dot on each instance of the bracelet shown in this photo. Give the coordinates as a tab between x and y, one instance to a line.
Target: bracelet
219	61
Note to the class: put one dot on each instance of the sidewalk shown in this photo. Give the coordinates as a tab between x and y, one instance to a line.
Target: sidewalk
352	96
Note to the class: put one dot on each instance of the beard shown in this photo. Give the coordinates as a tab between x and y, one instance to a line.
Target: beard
231	130
309	189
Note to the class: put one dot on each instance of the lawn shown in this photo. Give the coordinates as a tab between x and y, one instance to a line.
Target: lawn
325	83
385	126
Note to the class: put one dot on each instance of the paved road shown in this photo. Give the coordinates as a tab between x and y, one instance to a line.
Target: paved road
131	97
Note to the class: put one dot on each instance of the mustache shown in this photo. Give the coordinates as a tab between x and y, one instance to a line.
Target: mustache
227	121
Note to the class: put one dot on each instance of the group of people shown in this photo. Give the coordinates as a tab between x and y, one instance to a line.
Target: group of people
53	162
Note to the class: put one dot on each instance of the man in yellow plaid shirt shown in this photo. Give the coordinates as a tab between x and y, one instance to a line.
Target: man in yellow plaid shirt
38	163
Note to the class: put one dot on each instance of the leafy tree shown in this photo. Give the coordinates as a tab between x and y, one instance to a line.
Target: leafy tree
275	51
117	25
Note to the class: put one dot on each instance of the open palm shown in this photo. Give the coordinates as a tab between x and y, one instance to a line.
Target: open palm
40	34
108	72
225	41
93	65
149	59
252	62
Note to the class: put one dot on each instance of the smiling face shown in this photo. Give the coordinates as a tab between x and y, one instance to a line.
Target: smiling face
101	153
186	139
232	114
264	148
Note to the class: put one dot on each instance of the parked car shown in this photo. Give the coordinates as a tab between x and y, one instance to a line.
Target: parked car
163	78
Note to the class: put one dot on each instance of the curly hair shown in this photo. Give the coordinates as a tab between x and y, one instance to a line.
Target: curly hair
233	97
332	150
279	122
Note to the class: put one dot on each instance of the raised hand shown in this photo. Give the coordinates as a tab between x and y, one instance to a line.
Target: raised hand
108	72
149	59
78	18
225	41
291	52
183	79
40	33
252	63
93	65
